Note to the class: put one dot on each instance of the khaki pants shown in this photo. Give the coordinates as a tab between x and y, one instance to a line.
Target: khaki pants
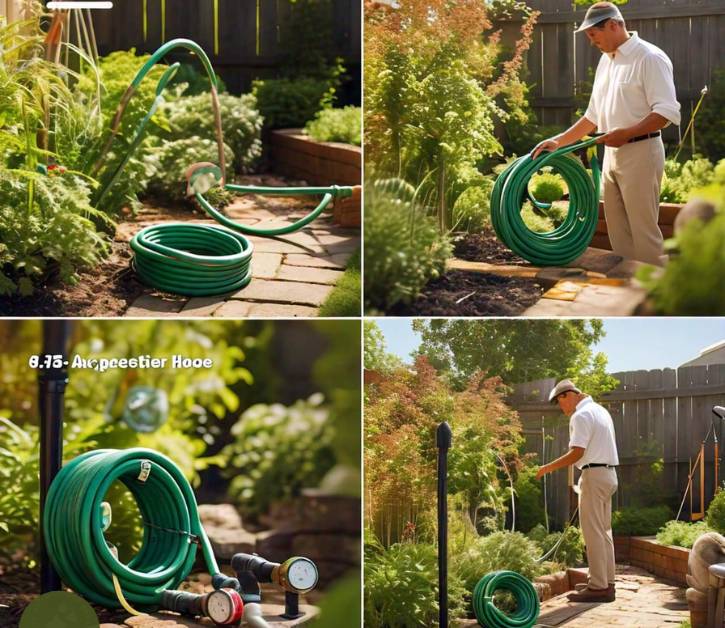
632	177
596	487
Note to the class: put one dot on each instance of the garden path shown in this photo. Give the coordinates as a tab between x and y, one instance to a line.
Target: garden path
291	275
643	600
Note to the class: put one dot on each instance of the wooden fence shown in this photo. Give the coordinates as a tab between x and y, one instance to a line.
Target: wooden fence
659	414
559	62
11	10
249	32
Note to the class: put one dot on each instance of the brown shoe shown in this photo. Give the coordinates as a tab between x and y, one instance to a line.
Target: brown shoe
593	595
583	585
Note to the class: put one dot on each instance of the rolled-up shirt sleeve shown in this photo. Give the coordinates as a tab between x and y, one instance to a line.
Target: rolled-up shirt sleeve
580	431
659	87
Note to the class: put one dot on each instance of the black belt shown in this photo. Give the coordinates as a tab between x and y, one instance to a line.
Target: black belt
598	464
639	138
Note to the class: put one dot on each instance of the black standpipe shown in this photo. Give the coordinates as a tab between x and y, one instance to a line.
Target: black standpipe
444	437
52	381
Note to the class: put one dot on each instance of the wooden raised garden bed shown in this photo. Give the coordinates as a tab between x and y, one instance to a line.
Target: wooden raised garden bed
666	561
296	155
668	213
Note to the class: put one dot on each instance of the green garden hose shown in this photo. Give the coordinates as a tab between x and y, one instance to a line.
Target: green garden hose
527	602
193	260
571	238
73	525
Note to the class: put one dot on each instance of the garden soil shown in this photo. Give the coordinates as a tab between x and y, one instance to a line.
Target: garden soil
459	293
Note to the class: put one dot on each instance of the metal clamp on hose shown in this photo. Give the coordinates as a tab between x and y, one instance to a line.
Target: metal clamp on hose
572	237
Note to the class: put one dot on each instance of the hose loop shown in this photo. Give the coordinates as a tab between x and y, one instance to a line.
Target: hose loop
490	616
571	238
73	528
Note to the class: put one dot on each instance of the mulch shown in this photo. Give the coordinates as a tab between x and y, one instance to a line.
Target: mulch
460	293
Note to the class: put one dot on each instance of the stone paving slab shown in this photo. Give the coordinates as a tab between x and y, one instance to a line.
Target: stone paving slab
309	275
284	292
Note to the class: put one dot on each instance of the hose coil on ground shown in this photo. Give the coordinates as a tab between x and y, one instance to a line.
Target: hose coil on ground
490	616
73	526
570	239
192	259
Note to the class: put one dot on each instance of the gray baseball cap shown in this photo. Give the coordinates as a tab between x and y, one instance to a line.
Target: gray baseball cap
598	13
565	385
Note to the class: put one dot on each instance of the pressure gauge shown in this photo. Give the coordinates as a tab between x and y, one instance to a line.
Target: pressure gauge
224	607
298	575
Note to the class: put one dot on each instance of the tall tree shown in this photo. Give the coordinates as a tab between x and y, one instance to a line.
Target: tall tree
517	350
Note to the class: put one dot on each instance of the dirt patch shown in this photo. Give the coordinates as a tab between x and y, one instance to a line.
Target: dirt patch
486	247
459	293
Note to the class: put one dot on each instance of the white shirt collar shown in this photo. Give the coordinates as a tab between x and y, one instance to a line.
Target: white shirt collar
628	46
583	402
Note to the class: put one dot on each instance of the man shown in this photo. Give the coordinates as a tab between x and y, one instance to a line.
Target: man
633	97
593	449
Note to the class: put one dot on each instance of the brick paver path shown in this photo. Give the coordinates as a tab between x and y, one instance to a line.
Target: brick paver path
291	275
643	600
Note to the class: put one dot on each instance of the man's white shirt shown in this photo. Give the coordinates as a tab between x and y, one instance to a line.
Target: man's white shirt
592	428
631	83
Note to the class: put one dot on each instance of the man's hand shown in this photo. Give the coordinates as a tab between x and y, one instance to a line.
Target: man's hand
615	138
541	472
545	145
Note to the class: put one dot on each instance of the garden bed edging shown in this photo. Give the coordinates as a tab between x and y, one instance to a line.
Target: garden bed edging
667	561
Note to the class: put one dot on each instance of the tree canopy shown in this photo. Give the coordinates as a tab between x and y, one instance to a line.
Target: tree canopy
517	350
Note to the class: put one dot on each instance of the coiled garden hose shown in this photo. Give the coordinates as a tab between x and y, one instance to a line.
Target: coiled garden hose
193	260
73	525
490	616
571	238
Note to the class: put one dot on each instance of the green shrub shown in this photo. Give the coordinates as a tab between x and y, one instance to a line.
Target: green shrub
195	80
336	125
277	451
291	103
55	234
174	158
472	209
535	221
400	590
691	283
403	249
529	500
716	513
681	533
636	521
500	550
680	179
571	550
547	187
190	116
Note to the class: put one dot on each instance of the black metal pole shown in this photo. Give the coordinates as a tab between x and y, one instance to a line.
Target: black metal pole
51	392
444	437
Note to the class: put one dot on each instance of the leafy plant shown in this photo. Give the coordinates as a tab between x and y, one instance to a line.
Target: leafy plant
472	209
292	102
500	550
53	234
399	590
403	249
190	116
278	450
336	125
715	517
637	521
547	187
529	500
571	549
680	179
681	533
